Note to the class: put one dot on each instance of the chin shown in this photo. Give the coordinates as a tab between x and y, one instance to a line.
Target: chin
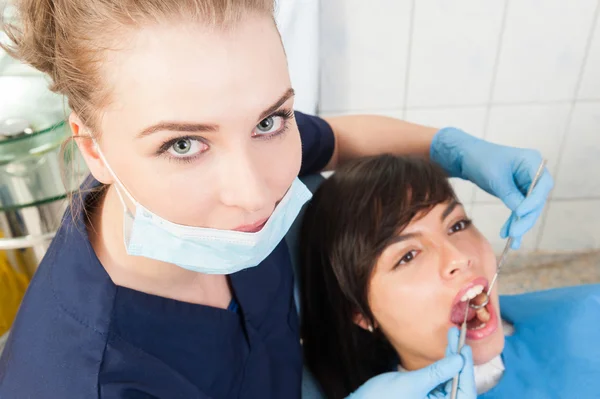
484	351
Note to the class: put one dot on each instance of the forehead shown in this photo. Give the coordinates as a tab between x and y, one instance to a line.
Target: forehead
190	72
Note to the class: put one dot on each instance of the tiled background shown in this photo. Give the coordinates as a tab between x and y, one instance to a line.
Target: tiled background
524	73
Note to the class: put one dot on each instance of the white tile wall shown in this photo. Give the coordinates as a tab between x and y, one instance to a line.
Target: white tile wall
541	127
590	85
363	59
453	51
579	170
298	23
543	49
523	73
572	226
489	219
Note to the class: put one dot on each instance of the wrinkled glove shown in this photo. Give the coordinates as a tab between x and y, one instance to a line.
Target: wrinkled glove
433	382
505	172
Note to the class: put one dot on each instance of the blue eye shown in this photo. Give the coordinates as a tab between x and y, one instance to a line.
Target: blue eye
269	125
186	147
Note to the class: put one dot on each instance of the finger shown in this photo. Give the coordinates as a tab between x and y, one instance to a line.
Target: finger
527	163
511	196
437	395
466	381
516	243
438	373
453	337
537	198
448	387
520	226
505	229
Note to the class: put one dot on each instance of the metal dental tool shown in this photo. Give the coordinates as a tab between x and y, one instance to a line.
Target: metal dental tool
461	342
503	257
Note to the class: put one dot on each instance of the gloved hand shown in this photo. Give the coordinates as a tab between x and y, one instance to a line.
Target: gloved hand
433	382
504	172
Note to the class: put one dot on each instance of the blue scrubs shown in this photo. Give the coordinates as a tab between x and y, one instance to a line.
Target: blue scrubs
78	335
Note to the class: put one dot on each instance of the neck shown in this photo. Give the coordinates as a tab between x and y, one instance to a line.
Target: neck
144	274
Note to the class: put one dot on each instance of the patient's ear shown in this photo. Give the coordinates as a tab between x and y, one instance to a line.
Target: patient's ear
361	321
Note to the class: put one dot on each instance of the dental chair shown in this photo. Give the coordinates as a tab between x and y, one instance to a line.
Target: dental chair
310	387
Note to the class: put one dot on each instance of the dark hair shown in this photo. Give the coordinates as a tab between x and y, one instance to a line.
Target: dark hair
347	225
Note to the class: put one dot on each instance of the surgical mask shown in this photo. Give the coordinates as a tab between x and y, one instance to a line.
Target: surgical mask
206	250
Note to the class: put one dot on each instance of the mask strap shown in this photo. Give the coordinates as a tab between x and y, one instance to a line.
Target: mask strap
120	185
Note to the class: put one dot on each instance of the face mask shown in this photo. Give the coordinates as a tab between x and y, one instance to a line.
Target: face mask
206	250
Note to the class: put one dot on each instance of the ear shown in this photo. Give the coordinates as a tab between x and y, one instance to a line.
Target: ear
87	147
361	321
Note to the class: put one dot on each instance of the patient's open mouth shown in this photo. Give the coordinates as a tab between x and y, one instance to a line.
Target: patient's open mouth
480	323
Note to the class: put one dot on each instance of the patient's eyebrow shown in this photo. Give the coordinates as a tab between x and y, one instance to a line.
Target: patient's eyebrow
449	209
404	237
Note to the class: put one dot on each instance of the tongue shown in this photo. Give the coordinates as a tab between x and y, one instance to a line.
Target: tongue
457	315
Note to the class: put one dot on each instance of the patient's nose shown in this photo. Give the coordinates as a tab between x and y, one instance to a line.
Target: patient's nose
454	261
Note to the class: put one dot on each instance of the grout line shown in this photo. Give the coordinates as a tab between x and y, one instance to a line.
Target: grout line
592	198
499	202
320	58
499	104
587	100
569	123
495	72
488	105
454	106
411	28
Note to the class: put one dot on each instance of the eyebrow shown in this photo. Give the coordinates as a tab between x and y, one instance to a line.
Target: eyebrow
449	209
286	96
203	127
403	237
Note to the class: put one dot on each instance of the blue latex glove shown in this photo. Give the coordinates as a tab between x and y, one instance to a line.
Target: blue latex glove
433	382
505	172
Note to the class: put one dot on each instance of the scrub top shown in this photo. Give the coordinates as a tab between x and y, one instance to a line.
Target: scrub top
78	335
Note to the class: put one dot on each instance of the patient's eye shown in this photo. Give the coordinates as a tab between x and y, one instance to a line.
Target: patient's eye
408	257
459	226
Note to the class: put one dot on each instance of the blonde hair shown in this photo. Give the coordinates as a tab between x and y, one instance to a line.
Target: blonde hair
67	39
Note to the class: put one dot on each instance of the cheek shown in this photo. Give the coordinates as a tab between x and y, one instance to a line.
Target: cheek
480	251
488	257
182	193
412	316
489	348
279	159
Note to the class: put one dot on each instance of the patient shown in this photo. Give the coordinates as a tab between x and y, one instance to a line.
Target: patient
389	258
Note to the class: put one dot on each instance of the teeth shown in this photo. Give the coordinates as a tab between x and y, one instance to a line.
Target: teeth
472	293
478	327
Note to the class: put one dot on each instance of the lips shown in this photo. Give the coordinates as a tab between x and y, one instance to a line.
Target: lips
457	313
490	327
478	281
252	228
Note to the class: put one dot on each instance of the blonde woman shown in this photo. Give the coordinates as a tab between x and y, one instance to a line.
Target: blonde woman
169	277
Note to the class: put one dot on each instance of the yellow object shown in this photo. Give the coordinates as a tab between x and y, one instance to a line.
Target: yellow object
13	283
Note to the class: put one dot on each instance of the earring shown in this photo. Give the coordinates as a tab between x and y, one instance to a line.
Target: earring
370	328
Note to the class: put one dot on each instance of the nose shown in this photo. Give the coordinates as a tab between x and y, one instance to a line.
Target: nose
454	261
243	185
